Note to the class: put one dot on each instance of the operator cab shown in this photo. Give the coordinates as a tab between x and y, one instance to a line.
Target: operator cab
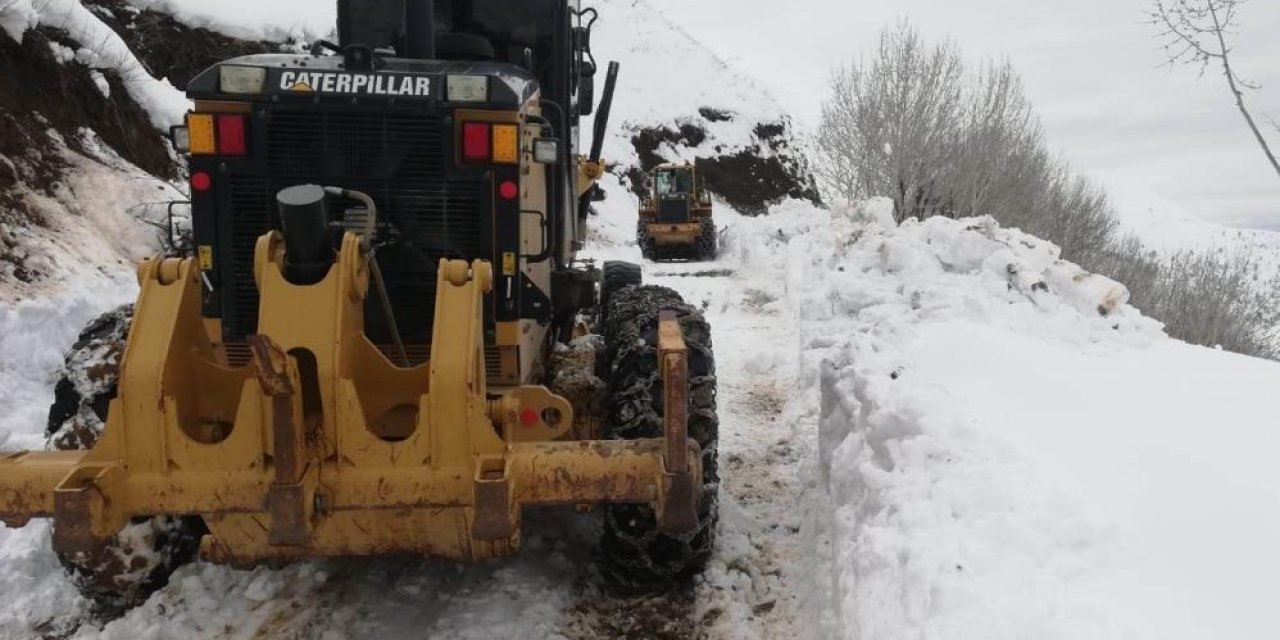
674	182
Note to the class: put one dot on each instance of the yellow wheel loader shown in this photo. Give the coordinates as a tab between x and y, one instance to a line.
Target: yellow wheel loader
675	219
356	359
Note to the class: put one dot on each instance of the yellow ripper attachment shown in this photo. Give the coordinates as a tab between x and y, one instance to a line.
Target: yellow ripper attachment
322	447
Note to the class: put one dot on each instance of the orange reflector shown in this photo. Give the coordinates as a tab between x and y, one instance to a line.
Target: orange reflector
506	143
203	140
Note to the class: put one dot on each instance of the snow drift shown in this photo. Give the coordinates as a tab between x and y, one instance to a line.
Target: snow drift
1011	450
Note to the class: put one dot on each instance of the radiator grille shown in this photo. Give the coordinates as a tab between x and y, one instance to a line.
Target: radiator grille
673	210
399	160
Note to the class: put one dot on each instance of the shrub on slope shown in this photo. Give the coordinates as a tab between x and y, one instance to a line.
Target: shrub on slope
1210	297
914	123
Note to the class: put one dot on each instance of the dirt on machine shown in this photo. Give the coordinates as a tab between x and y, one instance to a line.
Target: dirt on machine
355	359
676	217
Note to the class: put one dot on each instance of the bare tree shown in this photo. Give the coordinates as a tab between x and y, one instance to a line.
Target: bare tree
1000	151
911	122
891	124
1197	33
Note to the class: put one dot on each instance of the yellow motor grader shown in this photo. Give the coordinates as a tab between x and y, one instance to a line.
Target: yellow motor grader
355	359
675	219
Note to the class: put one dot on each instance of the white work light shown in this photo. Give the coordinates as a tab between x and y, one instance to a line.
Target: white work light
243	80
546	150
468	89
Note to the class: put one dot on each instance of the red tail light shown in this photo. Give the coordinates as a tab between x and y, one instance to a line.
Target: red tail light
475	142
231	136
201	181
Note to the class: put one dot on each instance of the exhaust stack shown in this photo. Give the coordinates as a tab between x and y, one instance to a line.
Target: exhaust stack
419	29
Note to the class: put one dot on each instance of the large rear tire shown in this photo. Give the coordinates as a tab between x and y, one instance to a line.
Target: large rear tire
637	556
708	241
648	248
618	275
126	570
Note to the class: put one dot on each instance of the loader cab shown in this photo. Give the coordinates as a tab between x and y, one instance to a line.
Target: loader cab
674	182
677	195
434	108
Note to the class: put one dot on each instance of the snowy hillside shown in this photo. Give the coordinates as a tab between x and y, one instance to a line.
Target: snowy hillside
1167	226
679	102
937	430
79	149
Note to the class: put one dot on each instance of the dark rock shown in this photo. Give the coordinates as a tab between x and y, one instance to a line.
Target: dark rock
692	135
749	179
771	131
750	182
715	115
648	142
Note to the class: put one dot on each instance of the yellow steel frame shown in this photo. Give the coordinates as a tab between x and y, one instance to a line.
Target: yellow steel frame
322	447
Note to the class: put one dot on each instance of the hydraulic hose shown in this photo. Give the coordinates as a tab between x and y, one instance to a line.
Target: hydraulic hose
366	245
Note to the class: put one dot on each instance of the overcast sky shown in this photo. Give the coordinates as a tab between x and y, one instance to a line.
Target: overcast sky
1092	67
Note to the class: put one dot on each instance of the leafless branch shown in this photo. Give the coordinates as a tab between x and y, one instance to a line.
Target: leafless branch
1195	32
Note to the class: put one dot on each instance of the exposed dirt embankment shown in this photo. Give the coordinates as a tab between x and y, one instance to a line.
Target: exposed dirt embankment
47	95
168	48
751	166
62	105
53	109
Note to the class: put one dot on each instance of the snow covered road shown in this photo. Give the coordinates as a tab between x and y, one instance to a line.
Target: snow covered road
927	432
759	584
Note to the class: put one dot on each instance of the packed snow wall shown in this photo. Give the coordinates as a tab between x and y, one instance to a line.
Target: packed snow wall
1009	448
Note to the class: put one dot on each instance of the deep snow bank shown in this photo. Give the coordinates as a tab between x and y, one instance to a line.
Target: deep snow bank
277	20
1014	452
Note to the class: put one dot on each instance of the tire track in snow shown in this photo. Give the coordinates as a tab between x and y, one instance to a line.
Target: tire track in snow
755	586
